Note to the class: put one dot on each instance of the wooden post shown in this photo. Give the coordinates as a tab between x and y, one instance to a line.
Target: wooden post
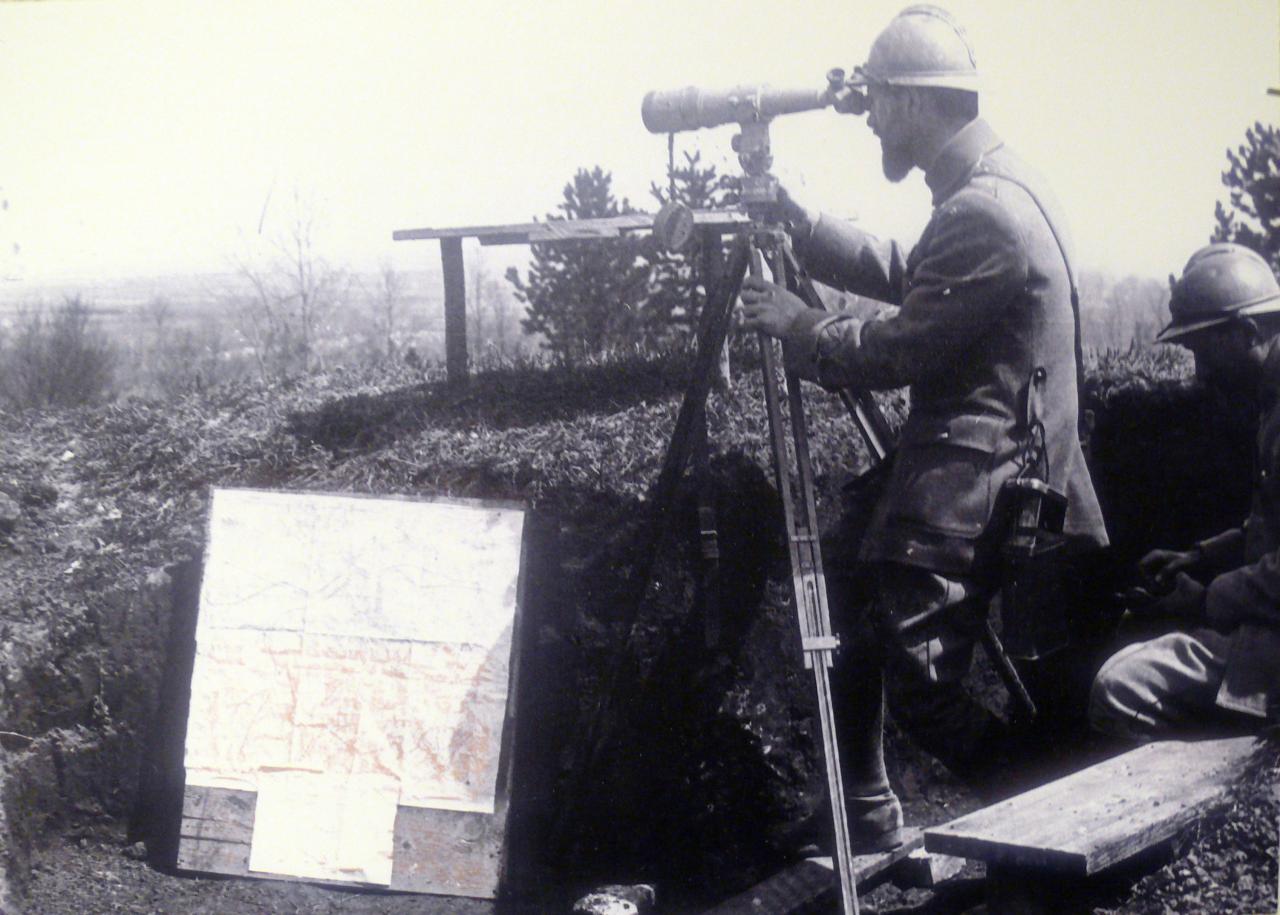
455	310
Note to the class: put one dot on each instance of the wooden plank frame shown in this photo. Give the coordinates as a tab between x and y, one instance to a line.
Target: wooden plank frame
436	851
525	233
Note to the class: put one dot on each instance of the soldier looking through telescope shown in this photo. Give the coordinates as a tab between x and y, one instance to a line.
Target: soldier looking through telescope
986	334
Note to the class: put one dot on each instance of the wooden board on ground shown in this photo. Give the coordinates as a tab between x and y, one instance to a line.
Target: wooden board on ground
805	883
353	693
923	869
447	852
1104	814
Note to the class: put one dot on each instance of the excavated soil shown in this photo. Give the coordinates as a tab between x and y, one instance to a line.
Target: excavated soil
707	762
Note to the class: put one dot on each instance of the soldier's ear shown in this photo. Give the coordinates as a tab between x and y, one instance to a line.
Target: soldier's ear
1249	330
913	101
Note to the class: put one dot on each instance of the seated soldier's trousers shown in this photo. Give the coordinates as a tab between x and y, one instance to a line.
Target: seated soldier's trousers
911	645
1163	687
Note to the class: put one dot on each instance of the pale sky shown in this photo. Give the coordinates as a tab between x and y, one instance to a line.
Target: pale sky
143	138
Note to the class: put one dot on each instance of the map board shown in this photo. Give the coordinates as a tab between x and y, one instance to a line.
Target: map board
349	717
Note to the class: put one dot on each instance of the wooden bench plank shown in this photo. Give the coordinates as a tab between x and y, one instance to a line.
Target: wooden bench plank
1101	815
805	883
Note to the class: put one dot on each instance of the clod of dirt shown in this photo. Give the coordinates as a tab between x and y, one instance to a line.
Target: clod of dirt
10	513
617	900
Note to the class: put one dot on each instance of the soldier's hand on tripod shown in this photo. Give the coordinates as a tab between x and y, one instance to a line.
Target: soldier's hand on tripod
768	307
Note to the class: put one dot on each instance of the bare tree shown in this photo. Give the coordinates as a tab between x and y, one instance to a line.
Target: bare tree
390	302
291	293
493	327
1119	312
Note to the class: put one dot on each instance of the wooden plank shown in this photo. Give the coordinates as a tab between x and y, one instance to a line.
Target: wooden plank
455	310
436	851
924	869
450	852
812	880
217	827
567	229
1101	815
209	856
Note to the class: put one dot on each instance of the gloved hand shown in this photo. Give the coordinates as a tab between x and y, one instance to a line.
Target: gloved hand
1184	601
1161	566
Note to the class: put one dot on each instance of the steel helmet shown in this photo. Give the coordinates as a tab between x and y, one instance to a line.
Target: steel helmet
922	46
1220	282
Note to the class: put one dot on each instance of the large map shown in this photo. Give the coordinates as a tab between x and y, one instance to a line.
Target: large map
352	657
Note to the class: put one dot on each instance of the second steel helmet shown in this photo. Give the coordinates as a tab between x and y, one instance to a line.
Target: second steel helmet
922	46
1220	282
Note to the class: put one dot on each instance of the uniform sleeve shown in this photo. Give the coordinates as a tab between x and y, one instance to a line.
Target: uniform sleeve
1248	594
1223	551
974	264
838	253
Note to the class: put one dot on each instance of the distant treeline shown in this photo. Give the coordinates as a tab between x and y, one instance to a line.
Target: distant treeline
294	311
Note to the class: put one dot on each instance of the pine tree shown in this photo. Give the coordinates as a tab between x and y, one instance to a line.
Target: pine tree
1252	218
584	297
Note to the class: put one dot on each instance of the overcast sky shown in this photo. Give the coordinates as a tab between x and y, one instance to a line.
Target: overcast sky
148	138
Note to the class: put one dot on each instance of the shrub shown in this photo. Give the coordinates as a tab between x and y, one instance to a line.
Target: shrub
57	360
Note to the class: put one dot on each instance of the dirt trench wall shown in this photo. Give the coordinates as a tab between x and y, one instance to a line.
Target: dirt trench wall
1172	463
713	754
81	688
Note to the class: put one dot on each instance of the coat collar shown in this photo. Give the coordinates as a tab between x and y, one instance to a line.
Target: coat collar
957	159
1269	384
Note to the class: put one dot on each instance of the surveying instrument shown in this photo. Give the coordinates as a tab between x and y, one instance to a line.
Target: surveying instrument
760	241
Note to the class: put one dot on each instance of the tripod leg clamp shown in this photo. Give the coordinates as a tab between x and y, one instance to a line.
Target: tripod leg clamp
815	644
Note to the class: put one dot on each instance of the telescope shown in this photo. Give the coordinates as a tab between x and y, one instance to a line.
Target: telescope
752	108
691	108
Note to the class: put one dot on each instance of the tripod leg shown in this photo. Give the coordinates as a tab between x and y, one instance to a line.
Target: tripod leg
708	538
711	334
817	641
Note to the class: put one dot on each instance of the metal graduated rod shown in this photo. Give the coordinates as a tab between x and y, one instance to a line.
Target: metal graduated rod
799	507
795	483
765	236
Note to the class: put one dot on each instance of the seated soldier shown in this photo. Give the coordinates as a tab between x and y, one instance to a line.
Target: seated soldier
1221	670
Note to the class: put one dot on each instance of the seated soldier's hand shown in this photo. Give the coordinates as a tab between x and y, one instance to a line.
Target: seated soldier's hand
1160	567
768	307
1184	601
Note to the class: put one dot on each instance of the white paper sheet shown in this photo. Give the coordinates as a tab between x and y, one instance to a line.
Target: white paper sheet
326	827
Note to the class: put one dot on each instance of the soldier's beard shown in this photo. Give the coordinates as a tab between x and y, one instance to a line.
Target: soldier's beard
895	159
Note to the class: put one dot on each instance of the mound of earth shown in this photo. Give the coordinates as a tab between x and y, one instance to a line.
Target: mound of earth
710	754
